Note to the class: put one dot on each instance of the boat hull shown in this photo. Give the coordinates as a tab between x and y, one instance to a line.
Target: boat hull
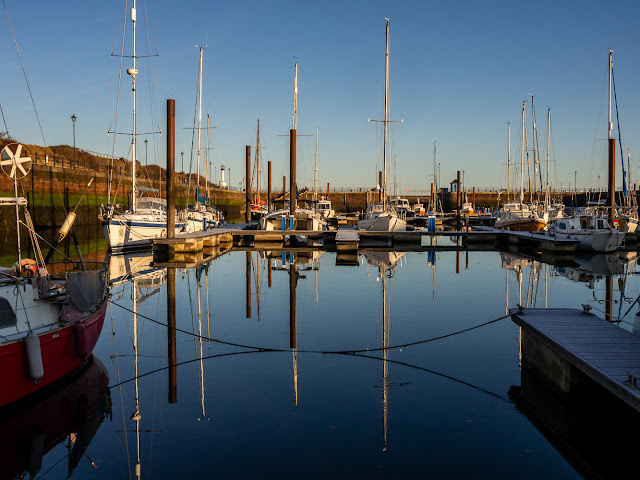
383	223
524	225
131	234
596	242
60	357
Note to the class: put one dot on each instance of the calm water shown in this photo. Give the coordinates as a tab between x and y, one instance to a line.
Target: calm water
439	409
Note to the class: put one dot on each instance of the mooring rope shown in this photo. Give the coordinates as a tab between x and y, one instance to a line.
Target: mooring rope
340	352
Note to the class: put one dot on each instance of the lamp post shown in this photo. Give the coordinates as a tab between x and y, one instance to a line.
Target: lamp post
146	156
73	119
182	164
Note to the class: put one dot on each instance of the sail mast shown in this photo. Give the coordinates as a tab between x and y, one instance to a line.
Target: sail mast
258	166
206	161
611	145
534	145
386	117
522	158
199	126
547	199
508	157
294	122
315	178
133	72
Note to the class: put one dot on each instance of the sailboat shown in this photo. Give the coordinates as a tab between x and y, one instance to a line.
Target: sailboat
202	215
381	217
595	231
293	218
518	215
146	217
49	324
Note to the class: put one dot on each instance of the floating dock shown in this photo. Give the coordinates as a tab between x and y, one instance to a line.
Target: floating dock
567	347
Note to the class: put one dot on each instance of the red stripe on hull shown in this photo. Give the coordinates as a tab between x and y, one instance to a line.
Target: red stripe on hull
59	358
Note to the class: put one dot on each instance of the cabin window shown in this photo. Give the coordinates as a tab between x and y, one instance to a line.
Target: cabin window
7	315
584	224
563	226
600	223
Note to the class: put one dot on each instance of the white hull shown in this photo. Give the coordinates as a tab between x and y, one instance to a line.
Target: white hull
304	220
386	222
123	233
597	241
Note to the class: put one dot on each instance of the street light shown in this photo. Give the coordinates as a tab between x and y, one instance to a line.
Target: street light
182	165
73	119
146	156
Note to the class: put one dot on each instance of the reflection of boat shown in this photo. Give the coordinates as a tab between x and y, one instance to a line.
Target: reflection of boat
383	259
72	413
123	268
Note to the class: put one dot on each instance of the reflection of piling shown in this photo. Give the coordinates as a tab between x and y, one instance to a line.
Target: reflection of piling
269	275
248	275
293	277
457	261
609	298
171	335
171	158
247	213
293	189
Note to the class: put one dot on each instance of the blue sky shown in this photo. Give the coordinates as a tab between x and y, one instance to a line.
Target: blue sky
459	72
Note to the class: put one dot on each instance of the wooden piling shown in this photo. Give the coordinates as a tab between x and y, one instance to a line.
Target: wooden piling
247	213
171	151
293	189
269	187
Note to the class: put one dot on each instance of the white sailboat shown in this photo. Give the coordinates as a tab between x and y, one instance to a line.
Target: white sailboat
381	217
595	231
146	217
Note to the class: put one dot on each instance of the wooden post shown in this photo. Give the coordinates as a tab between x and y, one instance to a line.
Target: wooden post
247	213
293	189
171	159
269	187
458	196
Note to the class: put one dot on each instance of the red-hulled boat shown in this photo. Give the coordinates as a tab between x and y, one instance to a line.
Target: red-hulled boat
49	324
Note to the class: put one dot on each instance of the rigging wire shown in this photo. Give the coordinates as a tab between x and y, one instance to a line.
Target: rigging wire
25	74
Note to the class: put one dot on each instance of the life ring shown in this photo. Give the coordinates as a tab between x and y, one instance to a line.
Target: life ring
26	266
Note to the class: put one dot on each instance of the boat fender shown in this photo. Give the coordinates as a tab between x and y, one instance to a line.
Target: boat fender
34	357
80	340
26	266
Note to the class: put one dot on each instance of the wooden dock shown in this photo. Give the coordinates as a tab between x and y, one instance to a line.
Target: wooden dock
566	347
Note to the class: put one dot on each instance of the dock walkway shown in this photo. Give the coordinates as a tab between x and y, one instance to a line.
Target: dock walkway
558	340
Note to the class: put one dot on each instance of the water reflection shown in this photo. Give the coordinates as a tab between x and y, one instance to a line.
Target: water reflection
287	369
59	427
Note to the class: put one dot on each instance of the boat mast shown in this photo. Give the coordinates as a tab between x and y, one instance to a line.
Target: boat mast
294	123
508	157
199	126
315	178
548	195
133	72
534	145
435	178
206	166
386	117
258	166
611	144
522	158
